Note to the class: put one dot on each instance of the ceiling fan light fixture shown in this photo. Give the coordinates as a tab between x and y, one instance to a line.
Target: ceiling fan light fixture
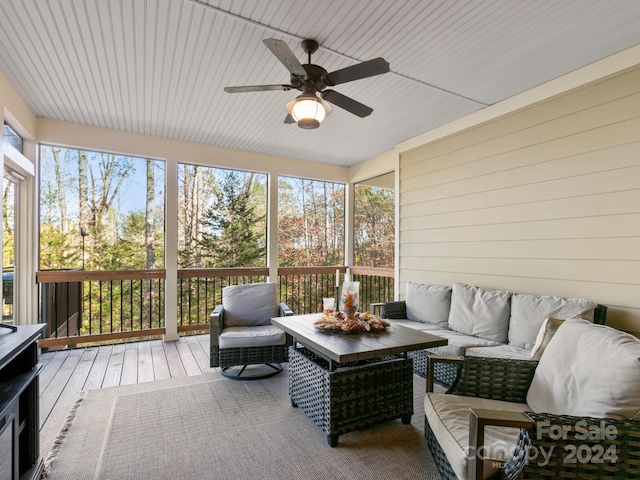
308	111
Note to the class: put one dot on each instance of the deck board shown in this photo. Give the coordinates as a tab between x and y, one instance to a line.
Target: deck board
174	362
49	397
189	362
65	373
57	398
129	365
145	363
113	375
201	355
160	365
49	370
96	376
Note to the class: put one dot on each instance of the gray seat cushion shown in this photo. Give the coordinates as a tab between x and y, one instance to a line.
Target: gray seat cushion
528	313
480	312
459	342
448	417
250	305
428	303
258	336
500	351
423	327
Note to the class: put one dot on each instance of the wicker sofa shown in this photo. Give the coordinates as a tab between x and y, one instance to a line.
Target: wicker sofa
481	322
575	413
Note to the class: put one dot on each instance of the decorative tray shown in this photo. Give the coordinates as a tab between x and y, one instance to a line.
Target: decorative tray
361	322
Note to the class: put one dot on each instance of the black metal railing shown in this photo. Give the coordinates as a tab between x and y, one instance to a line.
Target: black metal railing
92	306
200	290
303	288
85	307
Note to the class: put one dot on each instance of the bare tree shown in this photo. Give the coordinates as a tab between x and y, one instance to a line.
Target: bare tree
191	207
149	217
105	186
62	200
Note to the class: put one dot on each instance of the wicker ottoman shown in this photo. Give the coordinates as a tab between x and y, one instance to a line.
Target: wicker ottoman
352	395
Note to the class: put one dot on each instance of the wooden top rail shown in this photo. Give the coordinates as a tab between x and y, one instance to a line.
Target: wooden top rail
222	272
373	271
58	276
309	270
61	276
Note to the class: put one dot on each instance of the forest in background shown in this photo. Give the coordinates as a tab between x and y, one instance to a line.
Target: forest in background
103	211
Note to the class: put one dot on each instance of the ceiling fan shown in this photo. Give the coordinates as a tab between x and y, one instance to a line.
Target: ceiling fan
307	110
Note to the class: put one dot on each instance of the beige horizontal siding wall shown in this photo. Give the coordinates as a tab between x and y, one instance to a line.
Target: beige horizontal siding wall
545	200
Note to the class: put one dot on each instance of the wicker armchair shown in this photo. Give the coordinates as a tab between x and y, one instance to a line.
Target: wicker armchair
573	447
241	333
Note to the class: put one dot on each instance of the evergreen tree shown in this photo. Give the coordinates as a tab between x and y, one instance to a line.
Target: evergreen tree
233	233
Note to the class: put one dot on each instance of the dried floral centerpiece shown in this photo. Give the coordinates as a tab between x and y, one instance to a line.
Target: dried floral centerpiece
360	322
350	298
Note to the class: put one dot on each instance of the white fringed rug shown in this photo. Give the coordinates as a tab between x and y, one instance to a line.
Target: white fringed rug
208	427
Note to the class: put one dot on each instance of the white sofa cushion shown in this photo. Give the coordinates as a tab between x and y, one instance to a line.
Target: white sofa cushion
428	303
547	331
480	312
249	305
448	417
500	351
459	343
588	370
423	327
528	312
258	336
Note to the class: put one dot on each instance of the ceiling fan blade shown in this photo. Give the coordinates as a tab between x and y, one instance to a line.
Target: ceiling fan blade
366	69
349	104
281	50
289	119
257	88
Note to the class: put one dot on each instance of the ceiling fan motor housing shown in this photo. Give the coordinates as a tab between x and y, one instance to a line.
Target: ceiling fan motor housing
315	77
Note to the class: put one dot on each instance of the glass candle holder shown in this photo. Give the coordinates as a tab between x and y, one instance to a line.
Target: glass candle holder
328	305
350	298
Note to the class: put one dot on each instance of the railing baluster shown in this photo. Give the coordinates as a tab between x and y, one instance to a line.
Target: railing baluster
90	308
301	288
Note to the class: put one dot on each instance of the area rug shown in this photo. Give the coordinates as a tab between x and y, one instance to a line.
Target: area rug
208	427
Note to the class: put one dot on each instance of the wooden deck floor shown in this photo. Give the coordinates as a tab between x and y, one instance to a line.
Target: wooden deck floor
66	373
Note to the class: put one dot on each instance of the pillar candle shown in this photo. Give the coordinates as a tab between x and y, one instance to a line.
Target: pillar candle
337	277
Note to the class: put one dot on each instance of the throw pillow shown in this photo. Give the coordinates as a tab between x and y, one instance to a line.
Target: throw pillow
548	330
529	311
480	312
428	303
250	305
588	370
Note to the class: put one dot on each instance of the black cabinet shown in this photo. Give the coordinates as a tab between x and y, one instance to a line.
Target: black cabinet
19	413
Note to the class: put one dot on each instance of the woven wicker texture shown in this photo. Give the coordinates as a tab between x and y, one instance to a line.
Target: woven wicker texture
445	373
228	357
442	463
574	447
576	454
397	310
354	395
495	378
600	314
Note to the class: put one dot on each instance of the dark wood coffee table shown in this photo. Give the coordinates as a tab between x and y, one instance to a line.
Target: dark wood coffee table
345	382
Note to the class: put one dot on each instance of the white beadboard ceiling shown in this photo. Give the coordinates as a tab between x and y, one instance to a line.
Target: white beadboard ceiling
158	67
